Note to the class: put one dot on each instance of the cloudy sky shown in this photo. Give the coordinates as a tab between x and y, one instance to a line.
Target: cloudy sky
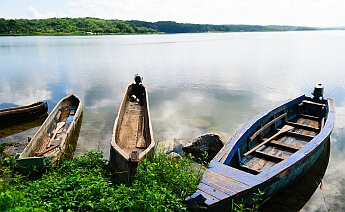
264	12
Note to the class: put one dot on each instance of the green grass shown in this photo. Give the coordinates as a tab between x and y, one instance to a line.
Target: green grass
86	184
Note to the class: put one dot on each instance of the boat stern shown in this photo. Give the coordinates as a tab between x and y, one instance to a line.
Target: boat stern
30	164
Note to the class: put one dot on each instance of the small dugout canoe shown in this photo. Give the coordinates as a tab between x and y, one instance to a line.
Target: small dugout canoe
267	153
10	116
132	138
52	139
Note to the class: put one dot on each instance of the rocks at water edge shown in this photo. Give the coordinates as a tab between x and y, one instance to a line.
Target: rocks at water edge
211	143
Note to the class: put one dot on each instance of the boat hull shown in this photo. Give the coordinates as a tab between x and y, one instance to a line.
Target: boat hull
10	116
225	182
28	159
132	124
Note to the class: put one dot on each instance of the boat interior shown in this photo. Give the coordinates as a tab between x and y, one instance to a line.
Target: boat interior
57	130
279	136
133	121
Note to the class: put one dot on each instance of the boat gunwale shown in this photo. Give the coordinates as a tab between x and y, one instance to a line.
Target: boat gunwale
24	107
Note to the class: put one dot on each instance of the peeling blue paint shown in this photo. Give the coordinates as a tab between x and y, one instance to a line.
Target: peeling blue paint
222	183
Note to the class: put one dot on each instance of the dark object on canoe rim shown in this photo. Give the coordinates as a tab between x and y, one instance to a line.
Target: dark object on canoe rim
15	115
52	139
267	153
132	137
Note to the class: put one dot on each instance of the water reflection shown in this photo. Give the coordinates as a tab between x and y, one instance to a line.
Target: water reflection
17	136
297	194
22	127
333	192
197	83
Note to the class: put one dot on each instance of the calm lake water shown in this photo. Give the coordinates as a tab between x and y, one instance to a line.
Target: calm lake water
197	83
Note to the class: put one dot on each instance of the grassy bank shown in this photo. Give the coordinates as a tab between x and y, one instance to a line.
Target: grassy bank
86	184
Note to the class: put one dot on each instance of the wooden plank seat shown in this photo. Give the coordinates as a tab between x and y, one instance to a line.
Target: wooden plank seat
284	145
307	127
247	169
299	135
267	156
310	117
281	131
313	103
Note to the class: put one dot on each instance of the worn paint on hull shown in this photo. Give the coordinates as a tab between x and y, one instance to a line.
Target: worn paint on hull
261	157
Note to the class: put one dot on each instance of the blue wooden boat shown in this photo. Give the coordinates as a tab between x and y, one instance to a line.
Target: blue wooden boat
267	153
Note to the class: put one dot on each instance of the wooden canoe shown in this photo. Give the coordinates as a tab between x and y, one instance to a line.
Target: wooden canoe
62	124
9	116
132	137
261	156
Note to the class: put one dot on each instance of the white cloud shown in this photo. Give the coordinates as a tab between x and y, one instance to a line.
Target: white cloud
34	14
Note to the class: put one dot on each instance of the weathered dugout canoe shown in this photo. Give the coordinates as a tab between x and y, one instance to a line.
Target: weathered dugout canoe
132	137
261	156
9	116
52	139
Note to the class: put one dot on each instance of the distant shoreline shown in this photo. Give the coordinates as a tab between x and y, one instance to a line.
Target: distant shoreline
96	26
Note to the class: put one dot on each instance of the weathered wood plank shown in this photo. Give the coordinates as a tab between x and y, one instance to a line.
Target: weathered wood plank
266	126
267	166
284	145
281	131
254	163
233	173
267	156
307	127
47	150
300	135
309	117
249	170
278	151
309	122
214	191
313	103
218	181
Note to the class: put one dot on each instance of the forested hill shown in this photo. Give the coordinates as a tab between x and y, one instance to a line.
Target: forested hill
173	27
87	26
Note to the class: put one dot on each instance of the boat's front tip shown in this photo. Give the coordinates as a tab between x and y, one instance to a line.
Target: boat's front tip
196	202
